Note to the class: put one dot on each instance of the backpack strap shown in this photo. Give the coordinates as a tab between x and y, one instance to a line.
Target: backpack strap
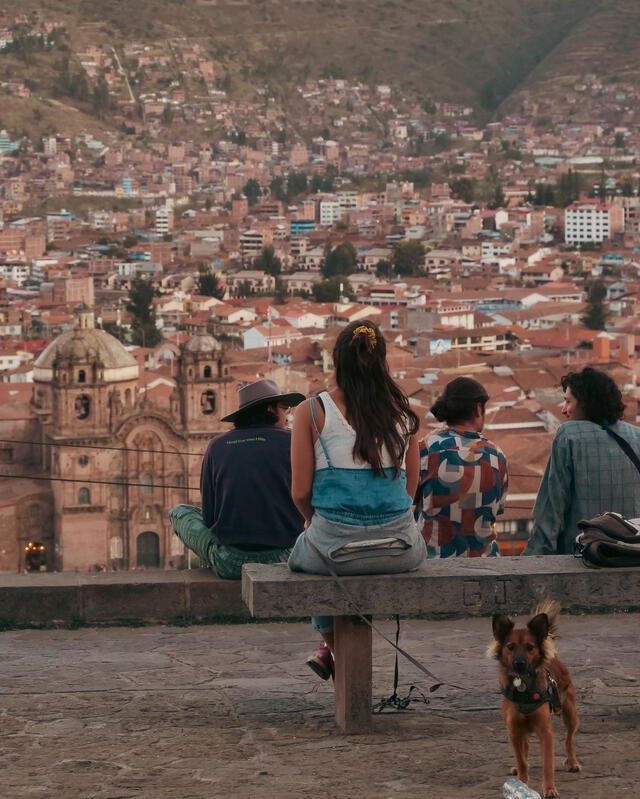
624	446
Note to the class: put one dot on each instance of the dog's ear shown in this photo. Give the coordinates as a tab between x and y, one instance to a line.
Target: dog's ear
539	626
502	626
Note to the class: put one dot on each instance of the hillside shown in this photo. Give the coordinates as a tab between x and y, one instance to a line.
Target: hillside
480	52
604	45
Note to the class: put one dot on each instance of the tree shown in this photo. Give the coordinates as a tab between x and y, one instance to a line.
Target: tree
568	188
252	191
244	289
140	305
408	257
618	141
491	188
208	283
544	194
329	290
115	330
384	268
280	295
276	189
596	312
441	142
464	188
296	184
316	184
323	182
101	97
24	41
167	115
498	200
268	262
340	261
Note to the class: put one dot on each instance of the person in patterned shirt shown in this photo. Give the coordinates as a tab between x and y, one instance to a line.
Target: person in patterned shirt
463	476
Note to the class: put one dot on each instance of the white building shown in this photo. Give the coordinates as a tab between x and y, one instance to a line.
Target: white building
330	212
18	273
348	200
163	221
269	336
591	221
251	244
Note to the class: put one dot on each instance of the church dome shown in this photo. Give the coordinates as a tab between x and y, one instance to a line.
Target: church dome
202	343
87	346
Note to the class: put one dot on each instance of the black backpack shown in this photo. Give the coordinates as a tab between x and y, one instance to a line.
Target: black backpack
608	540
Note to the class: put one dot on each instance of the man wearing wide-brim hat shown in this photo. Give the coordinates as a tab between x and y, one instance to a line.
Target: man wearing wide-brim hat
247	513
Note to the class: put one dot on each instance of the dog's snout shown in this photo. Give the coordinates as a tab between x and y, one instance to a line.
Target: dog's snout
519	665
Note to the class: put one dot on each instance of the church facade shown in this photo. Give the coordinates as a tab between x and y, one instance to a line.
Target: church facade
101	463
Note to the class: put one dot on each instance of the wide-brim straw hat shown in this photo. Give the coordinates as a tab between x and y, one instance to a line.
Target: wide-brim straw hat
262	392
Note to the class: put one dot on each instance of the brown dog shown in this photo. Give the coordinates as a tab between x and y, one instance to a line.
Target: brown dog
534	684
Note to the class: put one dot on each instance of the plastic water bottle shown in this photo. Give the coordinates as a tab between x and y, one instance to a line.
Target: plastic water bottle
514	789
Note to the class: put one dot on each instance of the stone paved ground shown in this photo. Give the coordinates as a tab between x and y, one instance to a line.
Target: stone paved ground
170	713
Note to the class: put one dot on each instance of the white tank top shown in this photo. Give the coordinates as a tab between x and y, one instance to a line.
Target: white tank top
339	438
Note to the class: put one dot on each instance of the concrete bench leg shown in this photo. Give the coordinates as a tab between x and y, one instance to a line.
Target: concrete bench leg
352	644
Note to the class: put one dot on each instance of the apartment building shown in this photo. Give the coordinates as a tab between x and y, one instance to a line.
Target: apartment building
592	222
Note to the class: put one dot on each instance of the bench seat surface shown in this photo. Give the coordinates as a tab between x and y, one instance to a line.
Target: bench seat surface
447	587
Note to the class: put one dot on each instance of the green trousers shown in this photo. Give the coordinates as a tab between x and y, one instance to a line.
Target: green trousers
225	559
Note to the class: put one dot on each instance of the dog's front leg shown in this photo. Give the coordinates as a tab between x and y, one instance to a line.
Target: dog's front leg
545	732
520	743
570	718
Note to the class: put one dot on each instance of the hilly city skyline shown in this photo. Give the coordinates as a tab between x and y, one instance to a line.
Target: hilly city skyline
195	195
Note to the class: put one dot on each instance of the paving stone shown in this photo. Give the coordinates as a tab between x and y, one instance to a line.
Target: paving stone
232	711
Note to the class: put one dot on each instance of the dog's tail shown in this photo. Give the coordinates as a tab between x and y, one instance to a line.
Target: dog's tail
552	609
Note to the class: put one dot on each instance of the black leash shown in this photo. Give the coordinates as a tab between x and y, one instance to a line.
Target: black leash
395	702
394	699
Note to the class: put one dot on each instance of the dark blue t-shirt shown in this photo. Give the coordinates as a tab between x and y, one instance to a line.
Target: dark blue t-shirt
246	488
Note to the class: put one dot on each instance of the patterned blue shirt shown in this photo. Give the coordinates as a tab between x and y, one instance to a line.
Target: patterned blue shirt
464	482
587	474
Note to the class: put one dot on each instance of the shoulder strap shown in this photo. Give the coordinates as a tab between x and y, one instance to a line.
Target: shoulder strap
312	405
624	446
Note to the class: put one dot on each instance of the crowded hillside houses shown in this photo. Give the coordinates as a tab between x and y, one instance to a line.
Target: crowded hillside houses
107	404
152	265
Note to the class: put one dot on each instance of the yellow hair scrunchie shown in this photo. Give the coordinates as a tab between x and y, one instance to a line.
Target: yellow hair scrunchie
369	332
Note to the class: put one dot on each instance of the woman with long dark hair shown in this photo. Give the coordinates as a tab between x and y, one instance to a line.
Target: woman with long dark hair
355	467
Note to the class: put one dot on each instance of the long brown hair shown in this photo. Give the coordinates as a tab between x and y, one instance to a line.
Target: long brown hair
377	408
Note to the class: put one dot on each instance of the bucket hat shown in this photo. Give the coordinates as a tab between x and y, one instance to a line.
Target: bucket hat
259	393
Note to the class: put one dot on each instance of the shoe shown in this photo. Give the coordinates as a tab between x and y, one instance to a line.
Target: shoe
322	663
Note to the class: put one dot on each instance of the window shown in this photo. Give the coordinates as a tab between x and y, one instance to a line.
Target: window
35	514
206	372
83	460
84	496
147	483
208	402
82	376
127	397
82	406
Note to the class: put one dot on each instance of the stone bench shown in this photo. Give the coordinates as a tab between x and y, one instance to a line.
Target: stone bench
447	588
148	597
